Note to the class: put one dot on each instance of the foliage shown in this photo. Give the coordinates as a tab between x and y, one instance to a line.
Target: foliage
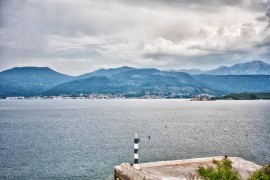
246	96
262	174
222	171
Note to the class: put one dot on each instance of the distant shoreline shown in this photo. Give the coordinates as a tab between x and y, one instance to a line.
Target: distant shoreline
233	96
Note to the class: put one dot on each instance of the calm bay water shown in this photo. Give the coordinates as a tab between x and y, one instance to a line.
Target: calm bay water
85	139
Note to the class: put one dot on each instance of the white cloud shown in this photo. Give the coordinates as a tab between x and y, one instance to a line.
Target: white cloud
56	43
167	47
205	42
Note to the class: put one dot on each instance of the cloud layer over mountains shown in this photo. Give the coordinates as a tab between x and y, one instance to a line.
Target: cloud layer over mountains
78	36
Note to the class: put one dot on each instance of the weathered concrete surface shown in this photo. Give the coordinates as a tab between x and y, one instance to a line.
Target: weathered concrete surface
181	169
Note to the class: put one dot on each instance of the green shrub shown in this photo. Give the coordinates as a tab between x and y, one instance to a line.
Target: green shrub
222	171
262	174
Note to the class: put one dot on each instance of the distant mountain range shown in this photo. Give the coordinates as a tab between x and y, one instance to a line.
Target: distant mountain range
134	83
249	68
252	76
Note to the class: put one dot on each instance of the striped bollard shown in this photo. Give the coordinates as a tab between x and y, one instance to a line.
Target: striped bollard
136	148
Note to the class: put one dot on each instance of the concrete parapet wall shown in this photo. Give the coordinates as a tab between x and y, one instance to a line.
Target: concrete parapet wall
132	173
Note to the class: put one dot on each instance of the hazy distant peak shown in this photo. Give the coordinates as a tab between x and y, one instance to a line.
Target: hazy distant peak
255	62
190	71
255	67
127	67
117	68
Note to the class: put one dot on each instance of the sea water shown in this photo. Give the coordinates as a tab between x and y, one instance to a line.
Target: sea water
85	139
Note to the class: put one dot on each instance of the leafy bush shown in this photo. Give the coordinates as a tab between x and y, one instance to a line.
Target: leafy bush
222	171
262	174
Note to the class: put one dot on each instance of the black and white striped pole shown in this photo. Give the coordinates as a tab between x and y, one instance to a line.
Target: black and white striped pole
136	149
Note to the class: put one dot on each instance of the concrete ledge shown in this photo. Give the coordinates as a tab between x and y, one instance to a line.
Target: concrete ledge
179	169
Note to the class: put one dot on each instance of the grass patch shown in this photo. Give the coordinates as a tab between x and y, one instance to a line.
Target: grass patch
222	171
262	174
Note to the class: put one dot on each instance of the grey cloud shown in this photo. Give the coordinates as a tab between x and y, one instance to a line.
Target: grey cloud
213	5
261	18
267	15
247	30
265	43
112	33
184	2
204	62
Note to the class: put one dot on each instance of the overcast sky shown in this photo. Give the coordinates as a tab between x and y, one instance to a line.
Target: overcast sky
79	36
